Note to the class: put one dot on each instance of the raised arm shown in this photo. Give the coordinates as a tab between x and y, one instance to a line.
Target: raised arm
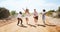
23	9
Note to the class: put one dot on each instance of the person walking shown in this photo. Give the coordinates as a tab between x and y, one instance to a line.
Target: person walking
19	18
35	16
27	14
43	16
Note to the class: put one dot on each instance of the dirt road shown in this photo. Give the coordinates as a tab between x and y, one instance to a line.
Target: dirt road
12	27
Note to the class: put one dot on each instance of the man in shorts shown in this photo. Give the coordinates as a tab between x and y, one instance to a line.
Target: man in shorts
19	18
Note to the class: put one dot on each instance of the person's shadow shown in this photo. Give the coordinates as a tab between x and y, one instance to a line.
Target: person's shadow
50	25
22	26
32	25
45	25
41	25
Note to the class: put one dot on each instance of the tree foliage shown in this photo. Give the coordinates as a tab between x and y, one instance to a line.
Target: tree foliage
4	13
49	13
58	9
58	12
13	13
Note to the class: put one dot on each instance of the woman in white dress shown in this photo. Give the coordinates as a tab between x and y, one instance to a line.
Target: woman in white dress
27	14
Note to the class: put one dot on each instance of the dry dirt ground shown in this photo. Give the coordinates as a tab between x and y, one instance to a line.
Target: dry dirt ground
12	26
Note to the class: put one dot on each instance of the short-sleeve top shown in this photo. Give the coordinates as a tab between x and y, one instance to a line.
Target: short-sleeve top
19	15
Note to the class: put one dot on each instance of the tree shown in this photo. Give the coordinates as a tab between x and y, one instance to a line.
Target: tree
58	12
4	13
58	9
13	13
51	11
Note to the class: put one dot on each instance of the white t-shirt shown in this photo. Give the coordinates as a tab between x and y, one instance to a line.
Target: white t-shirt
19	16
43	13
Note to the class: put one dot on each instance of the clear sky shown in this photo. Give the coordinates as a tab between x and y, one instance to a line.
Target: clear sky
30	4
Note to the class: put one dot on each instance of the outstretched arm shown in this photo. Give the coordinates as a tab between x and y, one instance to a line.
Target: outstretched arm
23	9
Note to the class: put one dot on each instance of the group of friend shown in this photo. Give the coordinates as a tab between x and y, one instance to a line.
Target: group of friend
27	14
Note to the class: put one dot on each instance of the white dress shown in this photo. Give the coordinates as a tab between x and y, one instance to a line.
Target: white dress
27	15
43	16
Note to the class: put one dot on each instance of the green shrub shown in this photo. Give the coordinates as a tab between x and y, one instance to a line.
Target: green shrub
49	13
13	13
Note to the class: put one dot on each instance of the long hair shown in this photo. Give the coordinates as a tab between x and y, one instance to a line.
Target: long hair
27	11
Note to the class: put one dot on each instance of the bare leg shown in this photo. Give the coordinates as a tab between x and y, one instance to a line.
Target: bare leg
44	22
21	22
18	21
35	21
27	20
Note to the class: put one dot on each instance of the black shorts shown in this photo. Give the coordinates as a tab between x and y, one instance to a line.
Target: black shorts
19	18
36	17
